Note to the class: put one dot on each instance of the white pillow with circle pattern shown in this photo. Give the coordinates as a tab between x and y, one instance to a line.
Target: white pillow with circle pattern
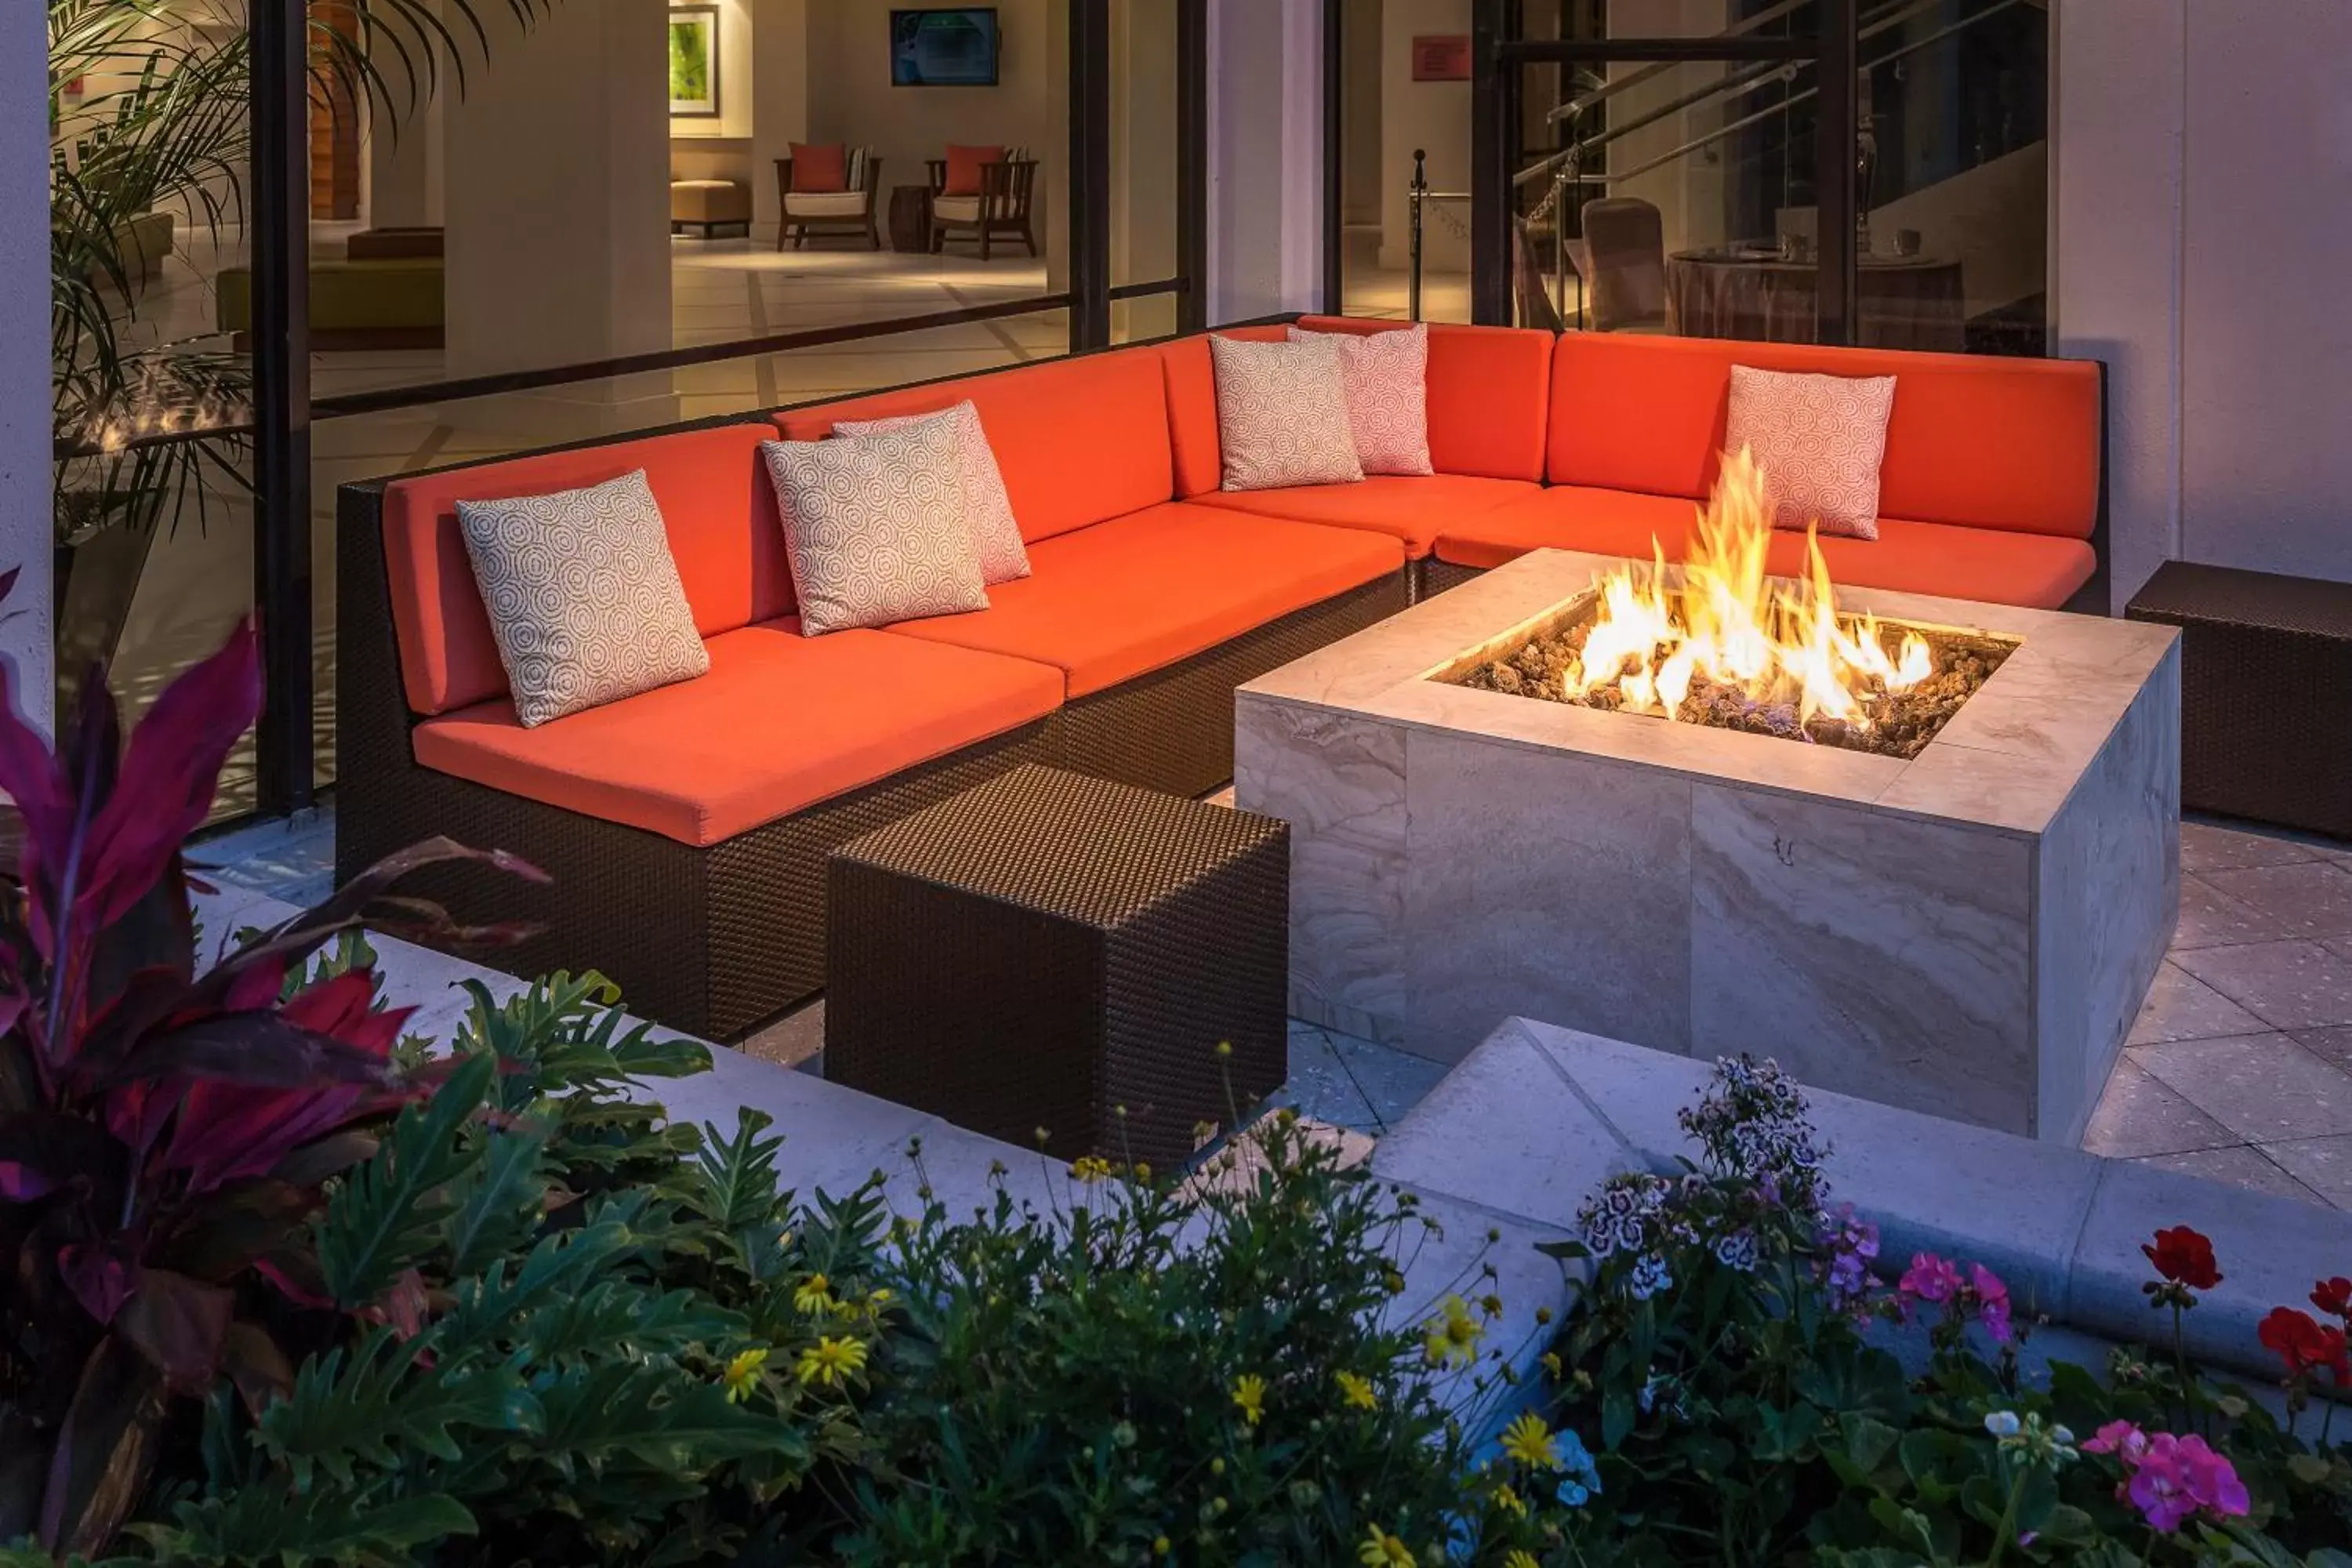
584	597
874	527
1387	377
1282	415
1820	440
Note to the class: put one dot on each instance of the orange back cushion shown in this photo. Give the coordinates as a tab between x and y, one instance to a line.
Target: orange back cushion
716	501
823	168
1079	440
1976	440
1488	390
963	168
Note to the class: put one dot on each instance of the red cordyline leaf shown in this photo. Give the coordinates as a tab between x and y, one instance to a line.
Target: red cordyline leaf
33	777
100	1277
20	1184
170	771
226	1131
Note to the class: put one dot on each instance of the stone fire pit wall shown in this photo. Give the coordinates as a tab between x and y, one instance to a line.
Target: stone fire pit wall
1968	934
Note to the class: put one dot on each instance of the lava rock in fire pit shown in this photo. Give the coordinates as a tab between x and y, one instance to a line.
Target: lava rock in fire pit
1901	722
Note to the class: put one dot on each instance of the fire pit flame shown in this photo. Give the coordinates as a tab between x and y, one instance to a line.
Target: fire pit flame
1727	622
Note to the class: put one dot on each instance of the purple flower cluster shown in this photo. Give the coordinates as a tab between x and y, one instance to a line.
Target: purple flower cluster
1848	1244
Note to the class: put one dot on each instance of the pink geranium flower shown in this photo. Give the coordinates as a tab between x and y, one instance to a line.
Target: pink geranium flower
1993	1301
1929	1279
2168	1478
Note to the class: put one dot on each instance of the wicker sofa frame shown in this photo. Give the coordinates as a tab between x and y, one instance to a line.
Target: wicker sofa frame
717	940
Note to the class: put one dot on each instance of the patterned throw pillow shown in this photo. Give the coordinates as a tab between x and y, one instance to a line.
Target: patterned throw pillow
874	527
1282	415
1819	439
585	599
1387	374
987	509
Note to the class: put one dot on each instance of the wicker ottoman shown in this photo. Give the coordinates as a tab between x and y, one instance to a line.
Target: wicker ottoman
1046	949
2265	660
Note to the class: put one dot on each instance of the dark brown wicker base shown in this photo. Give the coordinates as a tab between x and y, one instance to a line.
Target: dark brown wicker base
1442	575
1048	949
2265	662
716	941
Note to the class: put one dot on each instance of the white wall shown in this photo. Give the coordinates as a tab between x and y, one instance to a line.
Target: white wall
1265	157
1433	116
557	201
2201	231
24	528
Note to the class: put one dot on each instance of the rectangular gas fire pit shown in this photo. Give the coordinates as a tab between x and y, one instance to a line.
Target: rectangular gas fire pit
1968	929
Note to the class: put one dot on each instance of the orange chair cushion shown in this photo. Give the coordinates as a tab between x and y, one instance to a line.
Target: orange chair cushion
1411	508
963	168
714	499
1978	440
1077	440
1489	388
1125	597
821	168
780	722
1996	566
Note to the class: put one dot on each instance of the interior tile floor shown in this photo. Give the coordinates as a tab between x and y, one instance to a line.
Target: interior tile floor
2240	1068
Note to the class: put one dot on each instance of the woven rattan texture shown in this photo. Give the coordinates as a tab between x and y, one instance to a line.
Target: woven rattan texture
1172	729
1049	949
1441	576
1066	843
2265	662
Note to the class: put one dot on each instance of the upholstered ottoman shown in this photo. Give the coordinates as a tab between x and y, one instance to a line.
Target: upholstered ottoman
1046	949
709	206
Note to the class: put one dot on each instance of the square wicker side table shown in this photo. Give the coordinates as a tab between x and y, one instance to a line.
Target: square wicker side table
2265	661
1046	948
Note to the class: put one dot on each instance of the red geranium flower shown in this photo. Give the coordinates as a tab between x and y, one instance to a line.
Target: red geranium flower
2185	1257
2304	1345
2332	1297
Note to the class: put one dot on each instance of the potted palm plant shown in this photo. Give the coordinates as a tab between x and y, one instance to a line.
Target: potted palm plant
151	119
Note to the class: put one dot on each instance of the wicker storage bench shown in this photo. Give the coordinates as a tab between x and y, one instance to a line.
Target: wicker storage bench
2265	661
1048	948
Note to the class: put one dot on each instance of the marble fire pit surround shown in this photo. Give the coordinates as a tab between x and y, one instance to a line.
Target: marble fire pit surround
1970	932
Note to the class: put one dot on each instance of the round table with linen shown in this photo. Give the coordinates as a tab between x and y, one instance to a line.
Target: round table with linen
1905	301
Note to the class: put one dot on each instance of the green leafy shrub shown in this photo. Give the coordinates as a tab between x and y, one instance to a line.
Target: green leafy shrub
578	1309
1730	1382
1216	1371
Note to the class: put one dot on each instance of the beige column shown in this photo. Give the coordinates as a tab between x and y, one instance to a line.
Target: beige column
556	190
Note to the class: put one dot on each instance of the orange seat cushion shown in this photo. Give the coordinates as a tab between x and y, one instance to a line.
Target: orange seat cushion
780	722
716	503
1989	564
1979	440
1115	600
1077	440
1411	508
1488	389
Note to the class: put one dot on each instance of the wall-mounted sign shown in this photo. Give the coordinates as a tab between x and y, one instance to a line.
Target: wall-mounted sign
1441	56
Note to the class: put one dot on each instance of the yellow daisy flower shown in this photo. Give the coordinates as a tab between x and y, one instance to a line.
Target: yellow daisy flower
1454	1334
1091	1169
830	1361
1529	1441
1521	1558
742	1373
1249	1394
1357	1390
1382	1550
814	1294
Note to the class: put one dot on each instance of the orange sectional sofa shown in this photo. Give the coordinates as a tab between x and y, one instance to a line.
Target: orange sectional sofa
687	829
